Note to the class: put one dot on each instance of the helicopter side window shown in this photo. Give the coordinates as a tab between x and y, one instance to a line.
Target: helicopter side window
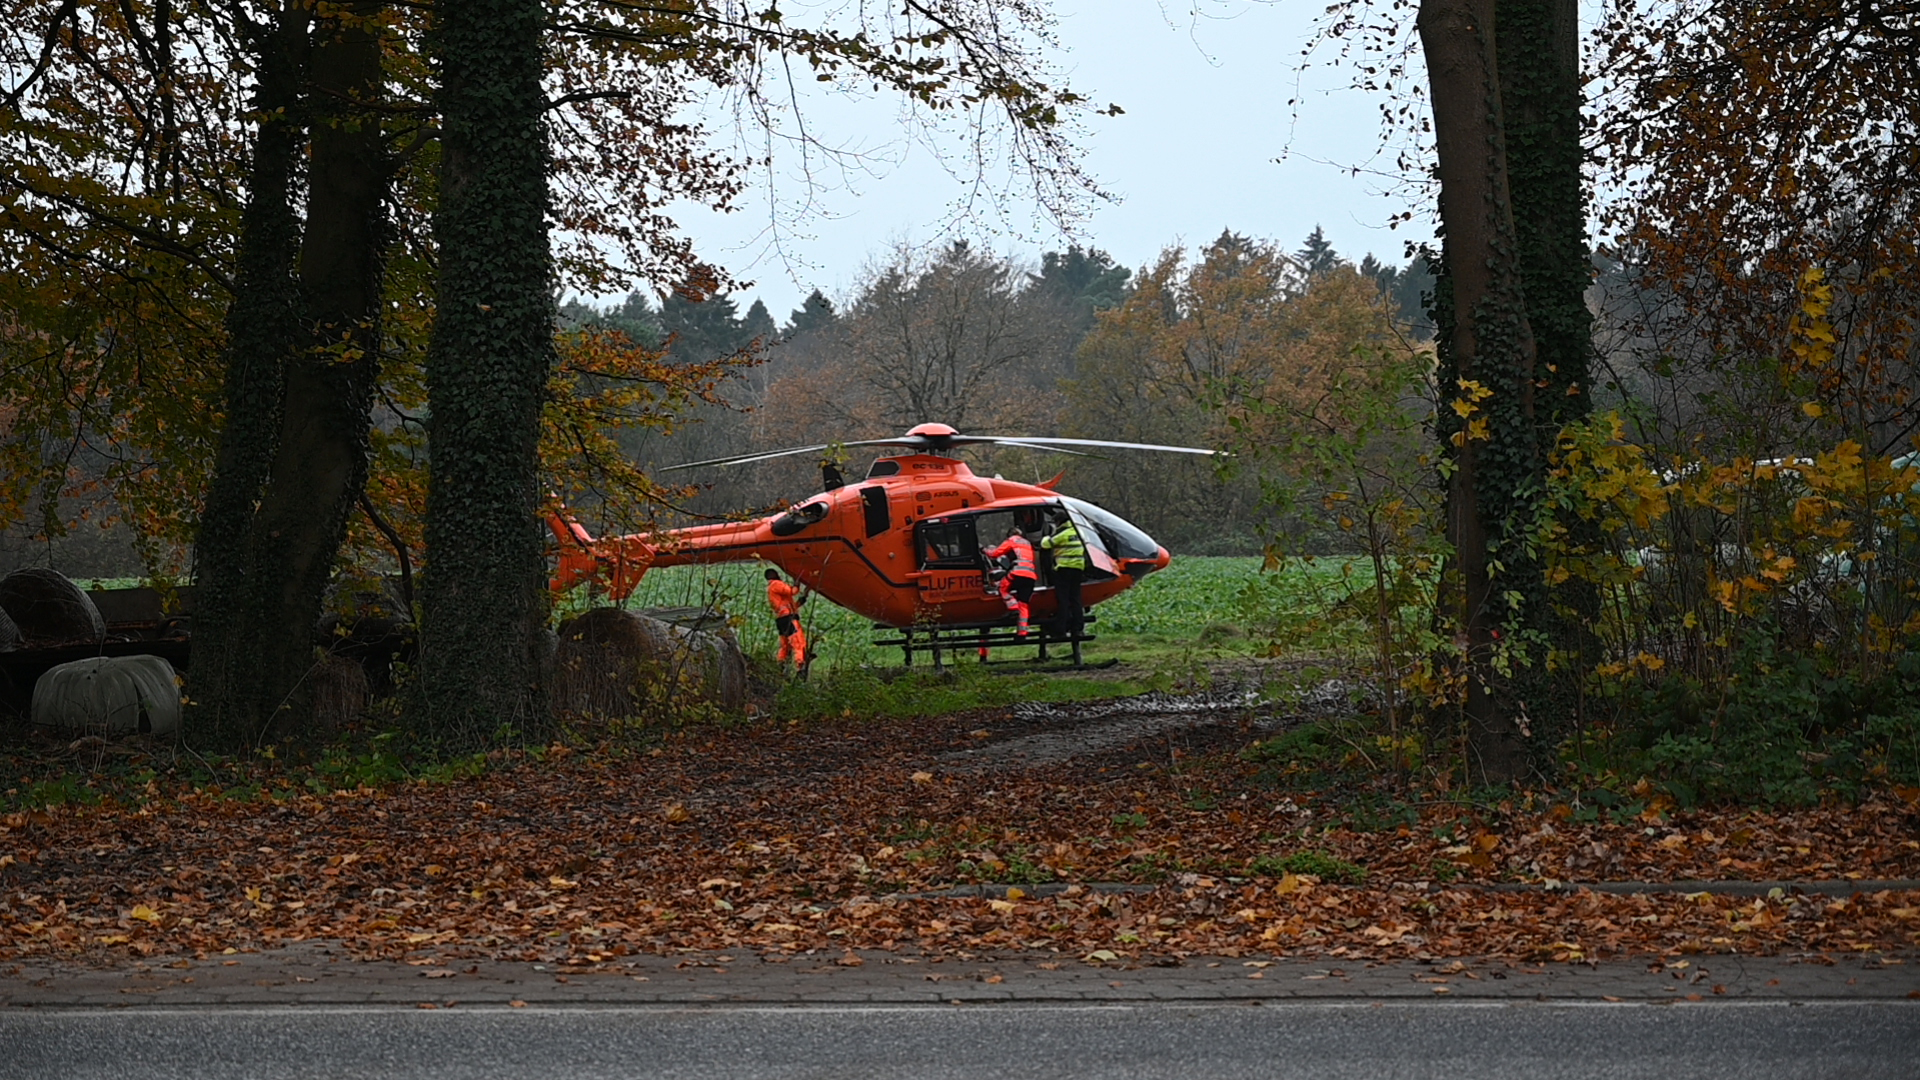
949	544
883	467
799	518
874	500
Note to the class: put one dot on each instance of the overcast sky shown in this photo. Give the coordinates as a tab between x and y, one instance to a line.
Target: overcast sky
1206	116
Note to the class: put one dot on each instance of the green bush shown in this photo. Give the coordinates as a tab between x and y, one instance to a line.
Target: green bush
1777	728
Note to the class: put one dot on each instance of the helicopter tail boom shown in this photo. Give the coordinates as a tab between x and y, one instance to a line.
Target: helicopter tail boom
618	562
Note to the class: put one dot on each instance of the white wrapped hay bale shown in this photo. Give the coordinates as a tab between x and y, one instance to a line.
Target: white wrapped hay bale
114	695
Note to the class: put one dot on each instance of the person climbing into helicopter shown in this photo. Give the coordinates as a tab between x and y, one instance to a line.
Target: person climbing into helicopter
1069	571
785	601
1016	588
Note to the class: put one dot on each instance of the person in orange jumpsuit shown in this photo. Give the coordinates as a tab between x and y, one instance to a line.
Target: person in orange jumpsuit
786	601
1017	587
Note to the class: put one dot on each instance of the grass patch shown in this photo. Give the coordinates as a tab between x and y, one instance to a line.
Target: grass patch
1318	863
1199	607
882	694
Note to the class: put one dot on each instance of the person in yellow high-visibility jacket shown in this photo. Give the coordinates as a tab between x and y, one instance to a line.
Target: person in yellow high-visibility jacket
785	601
1069	571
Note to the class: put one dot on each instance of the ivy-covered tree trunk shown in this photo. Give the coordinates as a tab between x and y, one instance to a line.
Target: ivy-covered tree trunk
484	602
1487	363
304	328
1540	108
1540	98
320	462
263	330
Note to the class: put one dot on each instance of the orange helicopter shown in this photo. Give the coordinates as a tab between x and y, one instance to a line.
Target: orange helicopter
902	547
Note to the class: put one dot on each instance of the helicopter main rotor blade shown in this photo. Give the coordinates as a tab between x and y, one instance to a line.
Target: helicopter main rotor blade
1043	441
1025	444
936	443
743	459
914	442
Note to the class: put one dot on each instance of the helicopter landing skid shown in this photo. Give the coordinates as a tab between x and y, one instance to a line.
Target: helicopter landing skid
937	641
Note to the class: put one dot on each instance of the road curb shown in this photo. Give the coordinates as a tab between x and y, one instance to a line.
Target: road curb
325	973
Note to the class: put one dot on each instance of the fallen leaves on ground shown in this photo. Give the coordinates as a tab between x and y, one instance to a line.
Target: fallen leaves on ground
834	838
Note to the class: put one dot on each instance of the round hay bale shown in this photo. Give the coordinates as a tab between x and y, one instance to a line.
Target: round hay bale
341	691
614	663
114	695
49	608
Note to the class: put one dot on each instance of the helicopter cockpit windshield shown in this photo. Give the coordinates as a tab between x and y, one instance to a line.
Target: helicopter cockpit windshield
1121	538
799	518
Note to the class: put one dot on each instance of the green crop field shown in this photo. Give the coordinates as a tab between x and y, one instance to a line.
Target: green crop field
1200	606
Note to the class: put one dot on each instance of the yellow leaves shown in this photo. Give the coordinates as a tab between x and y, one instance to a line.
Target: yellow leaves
1477	429
1809	511
1839	467
1813	409
675	813
922	777
1564	951
148	915
1812	328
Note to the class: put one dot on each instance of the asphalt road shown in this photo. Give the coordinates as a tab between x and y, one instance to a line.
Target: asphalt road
1213	1041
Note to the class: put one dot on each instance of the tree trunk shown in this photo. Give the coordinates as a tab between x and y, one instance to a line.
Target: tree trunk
1540	107
263	330
484	603
1487	359
293	453
1540	96
320	467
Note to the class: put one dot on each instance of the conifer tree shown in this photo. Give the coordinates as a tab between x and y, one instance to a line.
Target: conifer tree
815	313
1317	256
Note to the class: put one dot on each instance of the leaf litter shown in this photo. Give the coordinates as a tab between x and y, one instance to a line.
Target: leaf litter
839	837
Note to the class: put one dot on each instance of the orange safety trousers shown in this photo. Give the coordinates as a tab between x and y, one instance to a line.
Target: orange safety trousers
794	645
786	612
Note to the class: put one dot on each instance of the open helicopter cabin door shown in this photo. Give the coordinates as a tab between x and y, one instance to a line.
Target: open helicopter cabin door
1101	565
947	549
